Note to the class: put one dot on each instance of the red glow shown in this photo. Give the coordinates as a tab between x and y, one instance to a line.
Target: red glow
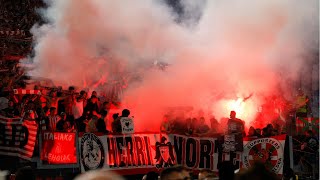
246	110
58	148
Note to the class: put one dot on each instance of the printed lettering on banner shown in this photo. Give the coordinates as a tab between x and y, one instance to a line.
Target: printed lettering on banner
267	150
195	152
58	148
141	153
144	151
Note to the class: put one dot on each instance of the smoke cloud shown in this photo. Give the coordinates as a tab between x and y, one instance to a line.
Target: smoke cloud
219	52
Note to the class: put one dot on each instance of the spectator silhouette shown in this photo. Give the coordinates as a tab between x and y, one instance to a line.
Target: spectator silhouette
206	174
257	172
99	175
116	125
25	173
151	176
176	172
226	170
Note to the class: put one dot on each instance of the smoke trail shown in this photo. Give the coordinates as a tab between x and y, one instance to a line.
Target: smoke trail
219	52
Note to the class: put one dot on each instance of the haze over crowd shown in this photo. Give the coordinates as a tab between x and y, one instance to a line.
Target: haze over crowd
219	51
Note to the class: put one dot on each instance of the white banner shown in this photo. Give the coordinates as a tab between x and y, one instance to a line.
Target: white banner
142	153
127	126
270	151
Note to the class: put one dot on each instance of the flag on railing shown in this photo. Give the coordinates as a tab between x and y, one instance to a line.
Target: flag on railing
58	147
305	124
17	137
26	91
269	150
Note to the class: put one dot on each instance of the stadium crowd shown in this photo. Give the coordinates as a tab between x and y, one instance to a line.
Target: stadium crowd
55	109
16	20
258	170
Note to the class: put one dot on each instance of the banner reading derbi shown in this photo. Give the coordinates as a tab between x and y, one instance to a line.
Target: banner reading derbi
144	152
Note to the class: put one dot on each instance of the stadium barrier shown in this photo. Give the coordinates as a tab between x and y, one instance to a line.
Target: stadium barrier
138	152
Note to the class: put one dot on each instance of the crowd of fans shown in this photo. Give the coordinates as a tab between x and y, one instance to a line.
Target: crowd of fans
198	126
60	110
257	171
20	14
11	77
55	109
68	110
16	20
65	111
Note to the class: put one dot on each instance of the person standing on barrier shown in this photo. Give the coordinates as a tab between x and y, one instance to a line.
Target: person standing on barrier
235	125
232	143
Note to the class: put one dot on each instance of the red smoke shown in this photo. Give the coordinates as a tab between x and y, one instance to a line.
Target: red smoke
235	50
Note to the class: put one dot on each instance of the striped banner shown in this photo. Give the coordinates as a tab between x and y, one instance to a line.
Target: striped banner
305	124
17	137
26	91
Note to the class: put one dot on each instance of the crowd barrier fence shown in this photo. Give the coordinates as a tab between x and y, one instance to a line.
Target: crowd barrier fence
138	152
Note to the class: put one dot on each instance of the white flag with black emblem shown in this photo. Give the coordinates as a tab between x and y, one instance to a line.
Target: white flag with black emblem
127	125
